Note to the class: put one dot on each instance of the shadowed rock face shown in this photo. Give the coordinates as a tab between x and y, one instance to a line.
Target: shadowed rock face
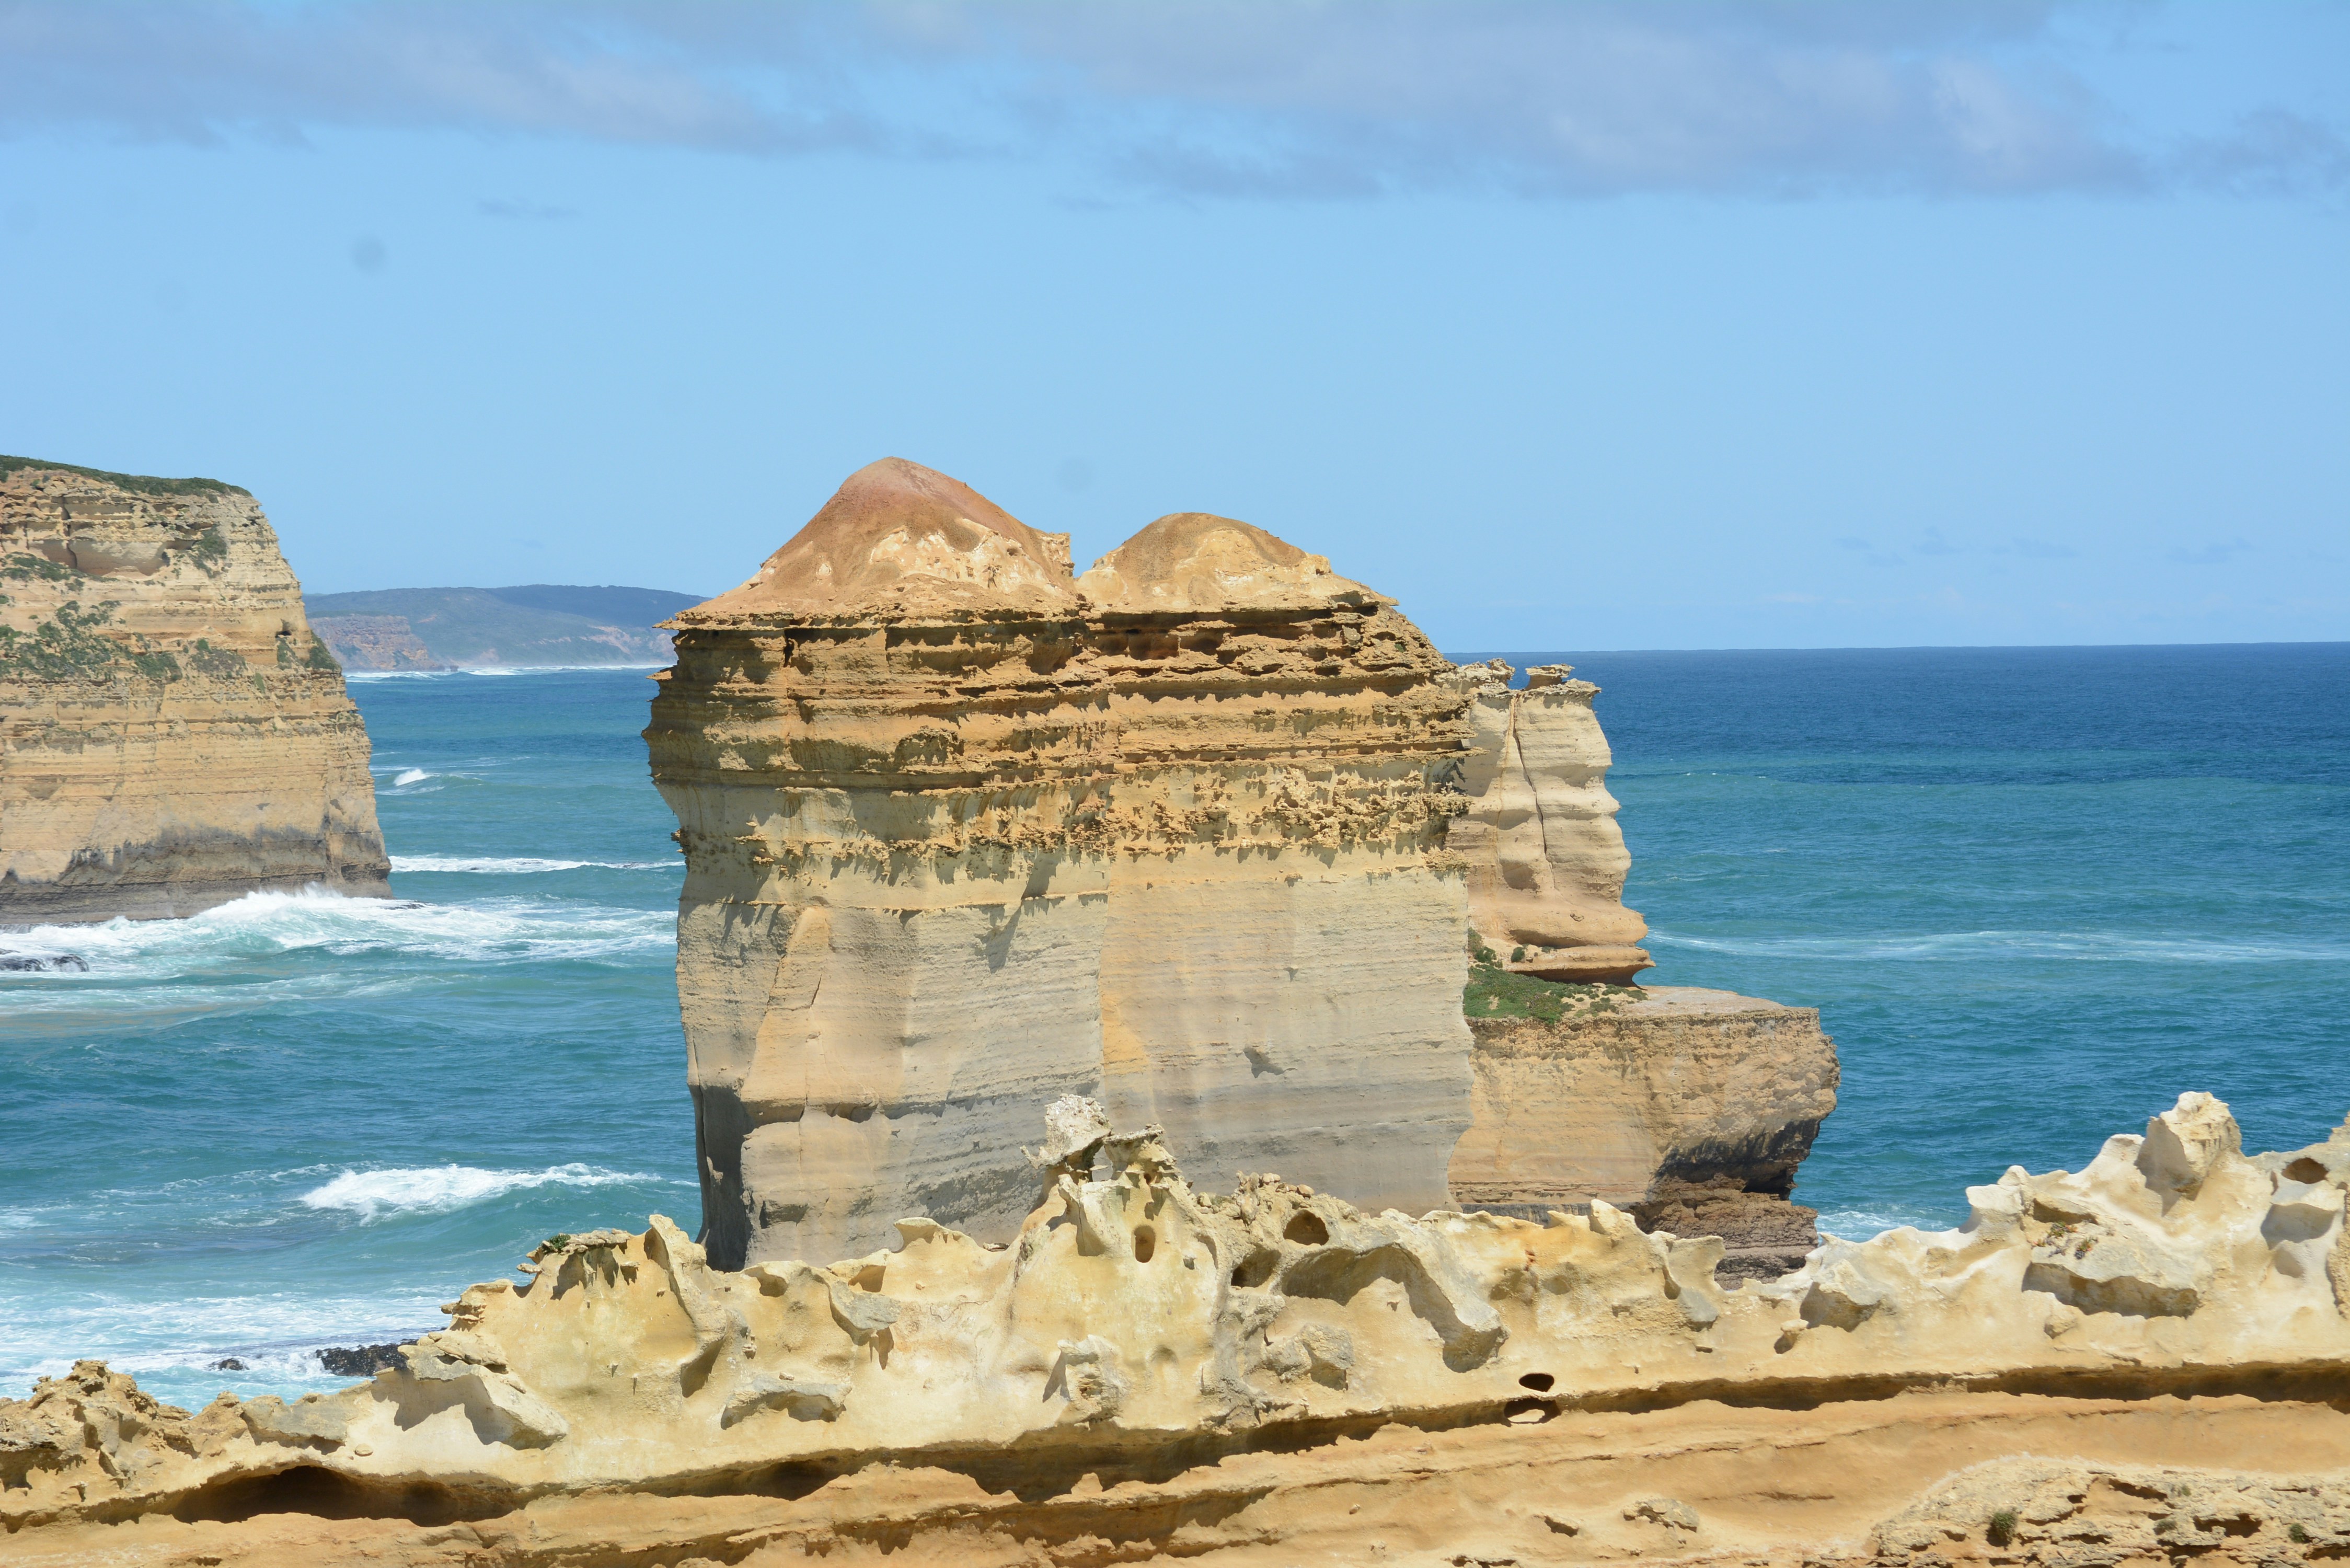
966	834
172	735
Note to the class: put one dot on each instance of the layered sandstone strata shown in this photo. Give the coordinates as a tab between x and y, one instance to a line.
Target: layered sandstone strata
172	735
1544	860
966	833
1690	1109
1277	1375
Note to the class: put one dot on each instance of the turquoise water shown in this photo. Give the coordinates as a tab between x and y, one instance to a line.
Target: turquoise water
2035	892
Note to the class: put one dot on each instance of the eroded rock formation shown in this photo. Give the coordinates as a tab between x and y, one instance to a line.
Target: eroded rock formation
1153	1369
1544	860
966	833
172	735
1690	1108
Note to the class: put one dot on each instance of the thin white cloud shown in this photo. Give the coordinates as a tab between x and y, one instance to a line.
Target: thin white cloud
1301	98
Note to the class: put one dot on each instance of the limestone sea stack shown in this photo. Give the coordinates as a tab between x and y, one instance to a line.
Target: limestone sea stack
1545	859
966	834
172	735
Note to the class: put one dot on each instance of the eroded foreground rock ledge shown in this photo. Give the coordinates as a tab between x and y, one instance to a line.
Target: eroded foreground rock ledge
1274	1374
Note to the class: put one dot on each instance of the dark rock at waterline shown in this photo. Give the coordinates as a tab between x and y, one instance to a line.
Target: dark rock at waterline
359	1360
228	1363
42	963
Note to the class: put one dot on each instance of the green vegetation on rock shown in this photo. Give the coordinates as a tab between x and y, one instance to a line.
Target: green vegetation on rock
221	663
144	484
1493	992
69	647
23	567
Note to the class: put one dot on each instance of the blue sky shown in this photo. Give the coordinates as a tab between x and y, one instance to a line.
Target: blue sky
1656	325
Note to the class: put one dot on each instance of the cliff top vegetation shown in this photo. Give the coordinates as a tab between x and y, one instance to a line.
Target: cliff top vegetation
145	484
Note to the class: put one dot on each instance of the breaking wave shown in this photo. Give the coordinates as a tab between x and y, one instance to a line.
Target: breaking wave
171	1345
262	925
409	776
1866	1224
553	668
439	1189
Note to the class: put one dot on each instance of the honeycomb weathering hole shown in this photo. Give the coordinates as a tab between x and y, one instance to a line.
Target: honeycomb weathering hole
1307	1231
1539	1382
1145	1243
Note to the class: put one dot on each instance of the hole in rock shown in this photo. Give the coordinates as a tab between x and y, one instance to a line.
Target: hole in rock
2305	1169
1307	1231
1145	1242
1539	1382
1256	1268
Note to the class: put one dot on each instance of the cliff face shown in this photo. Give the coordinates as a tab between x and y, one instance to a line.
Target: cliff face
1152	1370
172	735
375	643
1546	861
1689	1108
966	833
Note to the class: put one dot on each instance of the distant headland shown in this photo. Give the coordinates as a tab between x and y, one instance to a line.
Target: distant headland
534	624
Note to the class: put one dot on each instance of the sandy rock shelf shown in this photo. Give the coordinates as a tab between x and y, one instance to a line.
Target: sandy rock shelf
1274	1375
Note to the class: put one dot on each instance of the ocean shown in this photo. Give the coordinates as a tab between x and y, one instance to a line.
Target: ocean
2036	893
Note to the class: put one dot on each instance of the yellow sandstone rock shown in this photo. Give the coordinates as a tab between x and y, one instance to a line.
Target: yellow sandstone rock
1192	1373
1690	1109
1546	861
966	833
172	735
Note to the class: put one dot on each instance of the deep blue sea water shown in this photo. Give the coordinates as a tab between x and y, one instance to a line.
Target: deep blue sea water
2036	893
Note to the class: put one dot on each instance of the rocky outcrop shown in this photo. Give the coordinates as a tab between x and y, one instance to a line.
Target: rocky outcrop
1544	860
1690	1108
966	833
372	642
2037	1511
1183	1372
172	734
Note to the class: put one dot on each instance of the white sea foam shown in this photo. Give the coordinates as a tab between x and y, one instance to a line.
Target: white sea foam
519	864
2085	946
552	669
171	1343
409	776
1866	1224
439	1189
490	930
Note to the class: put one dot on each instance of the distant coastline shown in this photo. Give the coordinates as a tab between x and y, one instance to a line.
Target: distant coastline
535	625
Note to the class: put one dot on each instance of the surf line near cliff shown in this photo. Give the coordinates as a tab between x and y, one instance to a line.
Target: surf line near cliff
175	736
1208	832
